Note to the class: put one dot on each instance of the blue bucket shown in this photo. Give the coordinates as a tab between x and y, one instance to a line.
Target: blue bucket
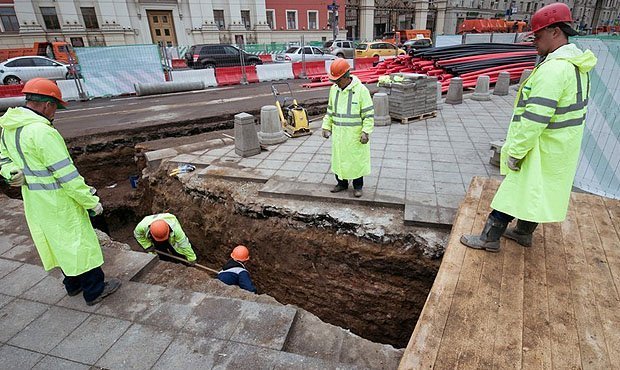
133	180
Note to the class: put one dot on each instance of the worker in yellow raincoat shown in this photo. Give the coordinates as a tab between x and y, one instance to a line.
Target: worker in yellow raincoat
542	147
163	232
56	198
349	121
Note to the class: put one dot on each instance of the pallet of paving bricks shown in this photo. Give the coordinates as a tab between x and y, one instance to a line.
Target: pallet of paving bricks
405	120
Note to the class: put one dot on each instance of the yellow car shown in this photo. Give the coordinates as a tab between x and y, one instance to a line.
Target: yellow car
377	49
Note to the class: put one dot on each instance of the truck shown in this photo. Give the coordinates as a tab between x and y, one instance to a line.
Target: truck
401	36
58	50
491	25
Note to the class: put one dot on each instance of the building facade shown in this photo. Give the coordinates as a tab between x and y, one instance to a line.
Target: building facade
169	22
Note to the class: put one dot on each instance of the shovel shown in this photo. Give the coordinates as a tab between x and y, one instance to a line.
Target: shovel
183	260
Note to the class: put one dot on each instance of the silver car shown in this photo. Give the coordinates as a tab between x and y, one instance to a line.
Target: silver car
294	54
340	48
21	69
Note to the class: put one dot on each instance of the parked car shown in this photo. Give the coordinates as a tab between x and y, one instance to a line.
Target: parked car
377	49
411	45
18	70
340	48
218	55
294	54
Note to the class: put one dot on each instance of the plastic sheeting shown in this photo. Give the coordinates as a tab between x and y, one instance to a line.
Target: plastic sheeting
113	70
448	40
475	38
598	171
505	38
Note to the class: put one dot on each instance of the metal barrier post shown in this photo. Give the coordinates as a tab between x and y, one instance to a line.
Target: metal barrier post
244	77
303	58
75	74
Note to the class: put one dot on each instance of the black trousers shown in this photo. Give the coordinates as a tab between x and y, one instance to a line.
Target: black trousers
357	183
167	248
501	216
91	282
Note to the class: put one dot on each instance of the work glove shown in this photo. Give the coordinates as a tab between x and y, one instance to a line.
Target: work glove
364	138
93	190
96	211
513	163
17	178
326	133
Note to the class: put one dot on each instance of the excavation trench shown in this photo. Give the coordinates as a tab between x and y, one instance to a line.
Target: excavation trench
374	283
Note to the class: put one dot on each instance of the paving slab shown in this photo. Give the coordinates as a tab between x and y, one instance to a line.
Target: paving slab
49	329
369	354
173	310
191	352
4	299
428	215
310	336
264	325
21	279
138	348
23	250
17	358
7	266
50	290
55	363
215	317
235	174
132	301
16	315
82	346
125	265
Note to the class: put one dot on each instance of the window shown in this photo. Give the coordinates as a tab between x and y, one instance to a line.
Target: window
271	18
40	62
90	18
50	18
291	19
231	51
245	19
9	19
313	20
307	50
22	62
218	16
215	49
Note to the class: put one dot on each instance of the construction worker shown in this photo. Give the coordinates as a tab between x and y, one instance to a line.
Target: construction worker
163	232
234	272
542	147
56	198
349	121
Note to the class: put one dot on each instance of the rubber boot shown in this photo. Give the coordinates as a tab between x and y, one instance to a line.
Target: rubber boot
489	238
522	234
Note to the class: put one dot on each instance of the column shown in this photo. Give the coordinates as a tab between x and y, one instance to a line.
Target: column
68	12
440	18
234	10
421	14
367	20
25	13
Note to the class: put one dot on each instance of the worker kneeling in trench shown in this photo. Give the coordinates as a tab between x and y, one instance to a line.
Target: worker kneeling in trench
162	232
234	272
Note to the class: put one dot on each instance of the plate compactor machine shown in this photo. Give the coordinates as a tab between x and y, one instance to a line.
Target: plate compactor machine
293	116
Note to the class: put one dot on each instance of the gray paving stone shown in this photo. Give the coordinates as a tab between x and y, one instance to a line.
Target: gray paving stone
55	363
421	165
280	156
420	186
306	149
191	352
172	310
441	157
415	156
445	167
24	252
402	156
311	177
394	173
8	266
284	149
420	214
300	157
395	196
447	215
293	166
322	167
4	299
236	174
287	174
21	279
49	329
251	162
82	346
132	301
310	336
125	264
392	183
270	164
50	290
368	354
6	243
215	317
450	188
139	348
263	325
421	199
449	201
449	177
16	358
16	315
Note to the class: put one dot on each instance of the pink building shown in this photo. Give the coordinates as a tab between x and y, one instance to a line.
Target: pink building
310	18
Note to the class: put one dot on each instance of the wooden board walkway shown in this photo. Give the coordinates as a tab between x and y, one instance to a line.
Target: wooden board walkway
555	305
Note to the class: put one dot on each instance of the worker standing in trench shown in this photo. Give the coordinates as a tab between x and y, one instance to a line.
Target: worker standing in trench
349	120
57	201
542	147
163	232
234	271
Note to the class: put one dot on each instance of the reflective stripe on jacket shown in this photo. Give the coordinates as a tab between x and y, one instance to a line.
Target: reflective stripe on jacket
546	132
56	198
178	240
349	112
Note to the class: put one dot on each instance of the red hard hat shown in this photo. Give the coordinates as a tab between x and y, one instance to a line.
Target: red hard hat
240	253
338	68
160	231
551	14
45	87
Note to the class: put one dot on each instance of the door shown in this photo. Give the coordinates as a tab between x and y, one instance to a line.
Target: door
233	58
162	27
50	69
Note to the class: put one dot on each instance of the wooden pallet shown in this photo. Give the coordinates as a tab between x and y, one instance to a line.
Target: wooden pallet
406	120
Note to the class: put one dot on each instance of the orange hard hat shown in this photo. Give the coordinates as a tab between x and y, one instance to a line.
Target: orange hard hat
160	231
240	253
338	68
551	14
44	87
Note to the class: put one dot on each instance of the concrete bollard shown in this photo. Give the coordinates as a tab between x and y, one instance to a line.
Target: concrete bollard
439	101
524	76
246	138
382	109
482	91
455	91
270	126
503	84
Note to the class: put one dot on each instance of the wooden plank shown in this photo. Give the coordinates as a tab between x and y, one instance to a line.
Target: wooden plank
596	229
563	324
536	330
589	328
422	349
507	349
612	249
462	317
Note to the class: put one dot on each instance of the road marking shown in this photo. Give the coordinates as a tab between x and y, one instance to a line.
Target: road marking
171	94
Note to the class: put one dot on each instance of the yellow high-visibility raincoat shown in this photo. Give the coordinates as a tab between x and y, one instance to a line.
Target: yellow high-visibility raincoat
177	240
56	198
545	132
349	112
